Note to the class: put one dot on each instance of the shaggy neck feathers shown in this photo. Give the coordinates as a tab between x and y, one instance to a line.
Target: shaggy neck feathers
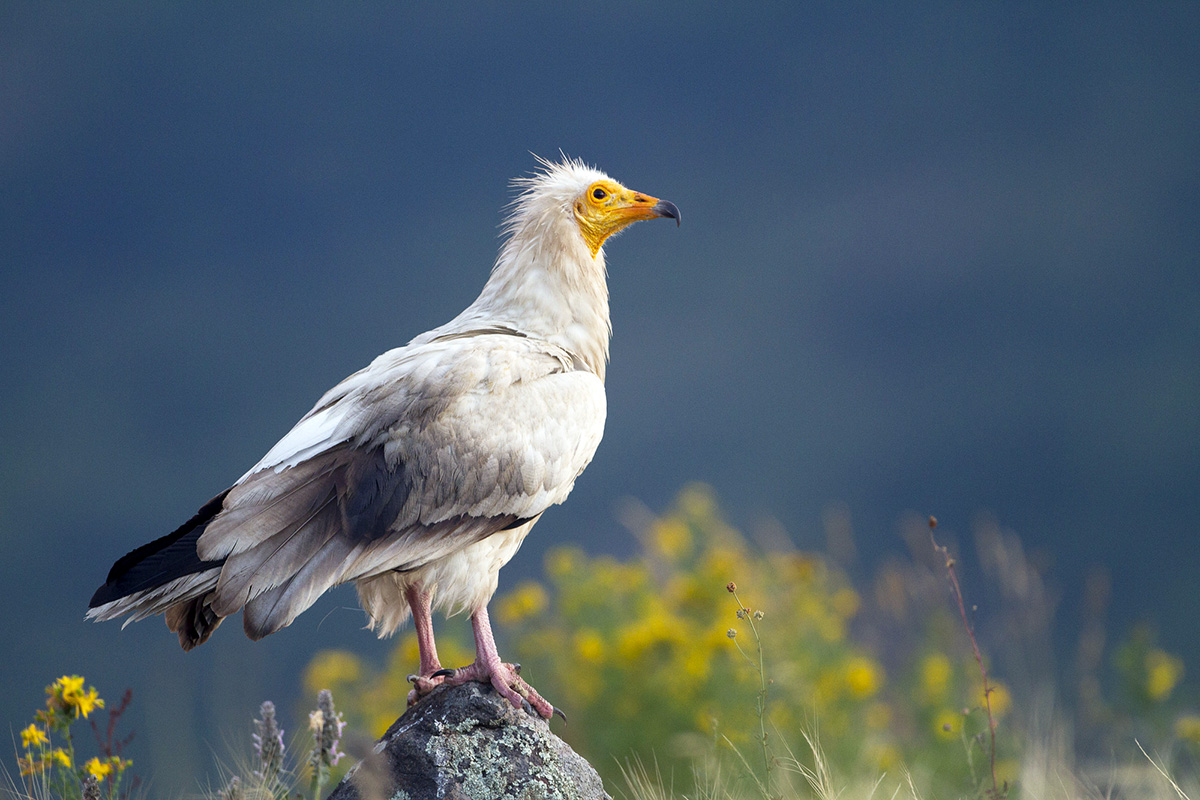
545	282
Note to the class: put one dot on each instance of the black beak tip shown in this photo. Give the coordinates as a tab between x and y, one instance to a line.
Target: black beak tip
665	208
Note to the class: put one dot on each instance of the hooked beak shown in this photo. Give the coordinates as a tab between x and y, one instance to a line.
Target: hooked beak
665	208
637	206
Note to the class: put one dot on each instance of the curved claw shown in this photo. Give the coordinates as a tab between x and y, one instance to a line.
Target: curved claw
443	673
413	679
559	711
516	668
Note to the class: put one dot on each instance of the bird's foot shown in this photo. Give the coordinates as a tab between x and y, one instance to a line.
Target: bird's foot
506	680
424	684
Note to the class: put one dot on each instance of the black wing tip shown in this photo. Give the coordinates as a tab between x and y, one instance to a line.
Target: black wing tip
122	579
105	594
139	554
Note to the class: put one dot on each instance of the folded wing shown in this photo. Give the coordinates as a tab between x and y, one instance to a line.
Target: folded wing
429	449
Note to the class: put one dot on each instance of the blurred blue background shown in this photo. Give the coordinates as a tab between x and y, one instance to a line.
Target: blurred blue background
938	259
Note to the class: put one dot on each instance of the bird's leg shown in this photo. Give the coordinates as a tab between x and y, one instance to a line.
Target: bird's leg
424	681
488	668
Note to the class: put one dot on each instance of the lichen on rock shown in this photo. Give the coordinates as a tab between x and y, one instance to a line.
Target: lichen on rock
468	743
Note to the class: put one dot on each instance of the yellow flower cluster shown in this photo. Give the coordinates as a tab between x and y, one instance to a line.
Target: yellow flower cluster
657	656
98	769
1187	728
45	761
645	653
527	600
67	700
654	657
1163	673
34	736
67	696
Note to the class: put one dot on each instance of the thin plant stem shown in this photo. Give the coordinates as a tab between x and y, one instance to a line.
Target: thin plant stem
962	610
761	699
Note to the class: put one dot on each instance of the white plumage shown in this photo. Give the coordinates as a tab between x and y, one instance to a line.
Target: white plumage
419	476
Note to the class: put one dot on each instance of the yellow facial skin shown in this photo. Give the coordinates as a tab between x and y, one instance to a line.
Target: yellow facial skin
606	207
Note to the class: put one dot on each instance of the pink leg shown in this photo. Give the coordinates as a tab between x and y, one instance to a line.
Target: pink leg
423	682
488	668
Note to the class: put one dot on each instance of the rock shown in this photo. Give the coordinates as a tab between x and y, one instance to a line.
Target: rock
468	743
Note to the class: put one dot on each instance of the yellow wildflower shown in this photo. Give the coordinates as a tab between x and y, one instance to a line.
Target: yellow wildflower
723	561
803	568
884	756
563	561
1001	699
88	702
60	757
863	677
827	690
381	721
33	736
1163	673
68	696
935	676
589	646
331	668
654	629
704	721
947	724
1188	727
99	769
672	537
527	600
695	658
67	685
1008	770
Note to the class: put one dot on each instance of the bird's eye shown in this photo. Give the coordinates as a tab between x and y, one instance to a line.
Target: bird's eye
599	193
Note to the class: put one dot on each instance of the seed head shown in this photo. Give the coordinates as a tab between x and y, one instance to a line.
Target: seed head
731	587
268	742
326	725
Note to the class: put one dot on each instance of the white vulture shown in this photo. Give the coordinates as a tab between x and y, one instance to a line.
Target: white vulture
419	476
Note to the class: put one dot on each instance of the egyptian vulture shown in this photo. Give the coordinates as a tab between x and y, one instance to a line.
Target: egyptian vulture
419	476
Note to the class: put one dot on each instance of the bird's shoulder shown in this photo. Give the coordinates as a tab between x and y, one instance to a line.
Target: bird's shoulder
472	378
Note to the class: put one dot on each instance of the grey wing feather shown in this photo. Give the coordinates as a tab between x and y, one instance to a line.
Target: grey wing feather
338	524
414	461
